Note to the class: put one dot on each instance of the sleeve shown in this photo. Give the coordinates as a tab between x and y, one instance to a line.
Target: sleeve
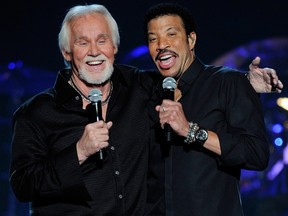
36	173
245	142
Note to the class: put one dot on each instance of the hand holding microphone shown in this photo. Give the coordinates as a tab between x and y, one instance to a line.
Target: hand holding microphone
169	85
171	113
96	135
94	110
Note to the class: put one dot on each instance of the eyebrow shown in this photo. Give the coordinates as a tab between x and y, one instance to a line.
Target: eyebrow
104	35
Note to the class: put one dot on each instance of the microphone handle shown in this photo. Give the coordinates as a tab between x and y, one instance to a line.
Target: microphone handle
94	110
100	155
168	94
168	133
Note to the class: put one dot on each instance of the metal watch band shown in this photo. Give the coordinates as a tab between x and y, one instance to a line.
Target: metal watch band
190	138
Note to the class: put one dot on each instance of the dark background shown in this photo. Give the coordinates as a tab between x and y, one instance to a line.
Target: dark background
30	28
229	32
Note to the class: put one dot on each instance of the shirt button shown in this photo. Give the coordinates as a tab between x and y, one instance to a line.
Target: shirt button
120	196
77	98
112	148
116	172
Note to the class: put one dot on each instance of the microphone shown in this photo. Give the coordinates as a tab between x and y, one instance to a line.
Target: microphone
94	110
169	85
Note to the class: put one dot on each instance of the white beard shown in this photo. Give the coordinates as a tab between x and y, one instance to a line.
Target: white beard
106	74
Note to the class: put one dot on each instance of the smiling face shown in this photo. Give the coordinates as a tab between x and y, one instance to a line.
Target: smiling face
170	47
92	49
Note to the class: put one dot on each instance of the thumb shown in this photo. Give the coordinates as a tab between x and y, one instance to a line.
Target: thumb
255	63
157	108
109	124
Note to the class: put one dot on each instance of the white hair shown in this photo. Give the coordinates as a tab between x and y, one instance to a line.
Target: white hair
78	11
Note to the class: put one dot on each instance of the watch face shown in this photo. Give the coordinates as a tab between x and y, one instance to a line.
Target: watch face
202	135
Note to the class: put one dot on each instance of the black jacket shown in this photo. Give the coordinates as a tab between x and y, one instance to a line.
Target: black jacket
45	169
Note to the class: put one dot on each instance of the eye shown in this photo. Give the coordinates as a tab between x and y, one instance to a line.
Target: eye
101	42
81	42
103	39
151	39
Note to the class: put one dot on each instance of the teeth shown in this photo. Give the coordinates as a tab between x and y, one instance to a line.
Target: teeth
94	62
165	57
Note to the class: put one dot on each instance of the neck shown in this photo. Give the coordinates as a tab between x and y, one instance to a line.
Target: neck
106	89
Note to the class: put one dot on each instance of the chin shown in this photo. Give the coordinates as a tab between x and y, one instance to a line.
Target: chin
167	73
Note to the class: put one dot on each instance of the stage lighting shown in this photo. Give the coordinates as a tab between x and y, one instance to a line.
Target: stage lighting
283	102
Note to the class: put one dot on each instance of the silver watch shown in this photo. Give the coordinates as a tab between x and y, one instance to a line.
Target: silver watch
201	135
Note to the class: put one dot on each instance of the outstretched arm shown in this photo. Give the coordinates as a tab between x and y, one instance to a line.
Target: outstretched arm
263	80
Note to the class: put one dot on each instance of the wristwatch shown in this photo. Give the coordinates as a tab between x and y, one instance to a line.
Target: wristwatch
201	135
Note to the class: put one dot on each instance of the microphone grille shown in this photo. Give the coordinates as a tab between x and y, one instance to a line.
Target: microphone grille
169	83
95	95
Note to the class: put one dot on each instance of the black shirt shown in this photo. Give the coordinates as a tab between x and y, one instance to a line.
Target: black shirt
197	181
45	169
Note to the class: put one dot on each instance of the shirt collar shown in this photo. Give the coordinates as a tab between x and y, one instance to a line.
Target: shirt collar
64	92
190	75
66	95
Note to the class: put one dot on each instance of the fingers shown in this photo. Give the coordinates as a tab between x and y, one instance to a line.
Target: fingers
162	115
270	72
255	63
101	132
280	85
160	108
276	84
277	87
171	112
102	125
95	137
165	111
109	125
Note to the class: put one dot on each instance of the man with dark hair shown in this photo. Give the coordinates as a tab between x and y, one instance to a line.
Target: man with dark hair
217	122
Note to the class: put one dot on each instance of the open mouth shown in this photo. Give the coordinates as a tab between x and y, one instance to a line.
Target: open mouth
95	63
166	60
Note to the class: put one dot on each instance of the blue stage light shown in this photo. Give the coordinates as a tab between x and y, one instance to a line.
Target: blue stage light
11	65
277	128
278	141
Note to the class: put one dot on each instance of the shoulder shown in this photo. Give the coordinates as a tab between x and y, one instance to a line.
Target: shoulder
227	79
223	70
36	105
132	70
225	74
132	74
125	68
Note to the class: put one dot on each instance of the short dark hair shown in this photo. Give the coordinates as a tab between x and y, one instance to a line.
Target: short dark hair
170	9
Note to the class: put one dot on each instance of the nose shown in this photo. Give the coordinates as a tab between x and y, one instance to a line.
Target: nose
94	50
162	44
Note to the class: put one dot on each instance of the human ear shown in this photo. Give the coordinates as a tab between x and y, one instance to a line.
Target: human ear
192	40
66	55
